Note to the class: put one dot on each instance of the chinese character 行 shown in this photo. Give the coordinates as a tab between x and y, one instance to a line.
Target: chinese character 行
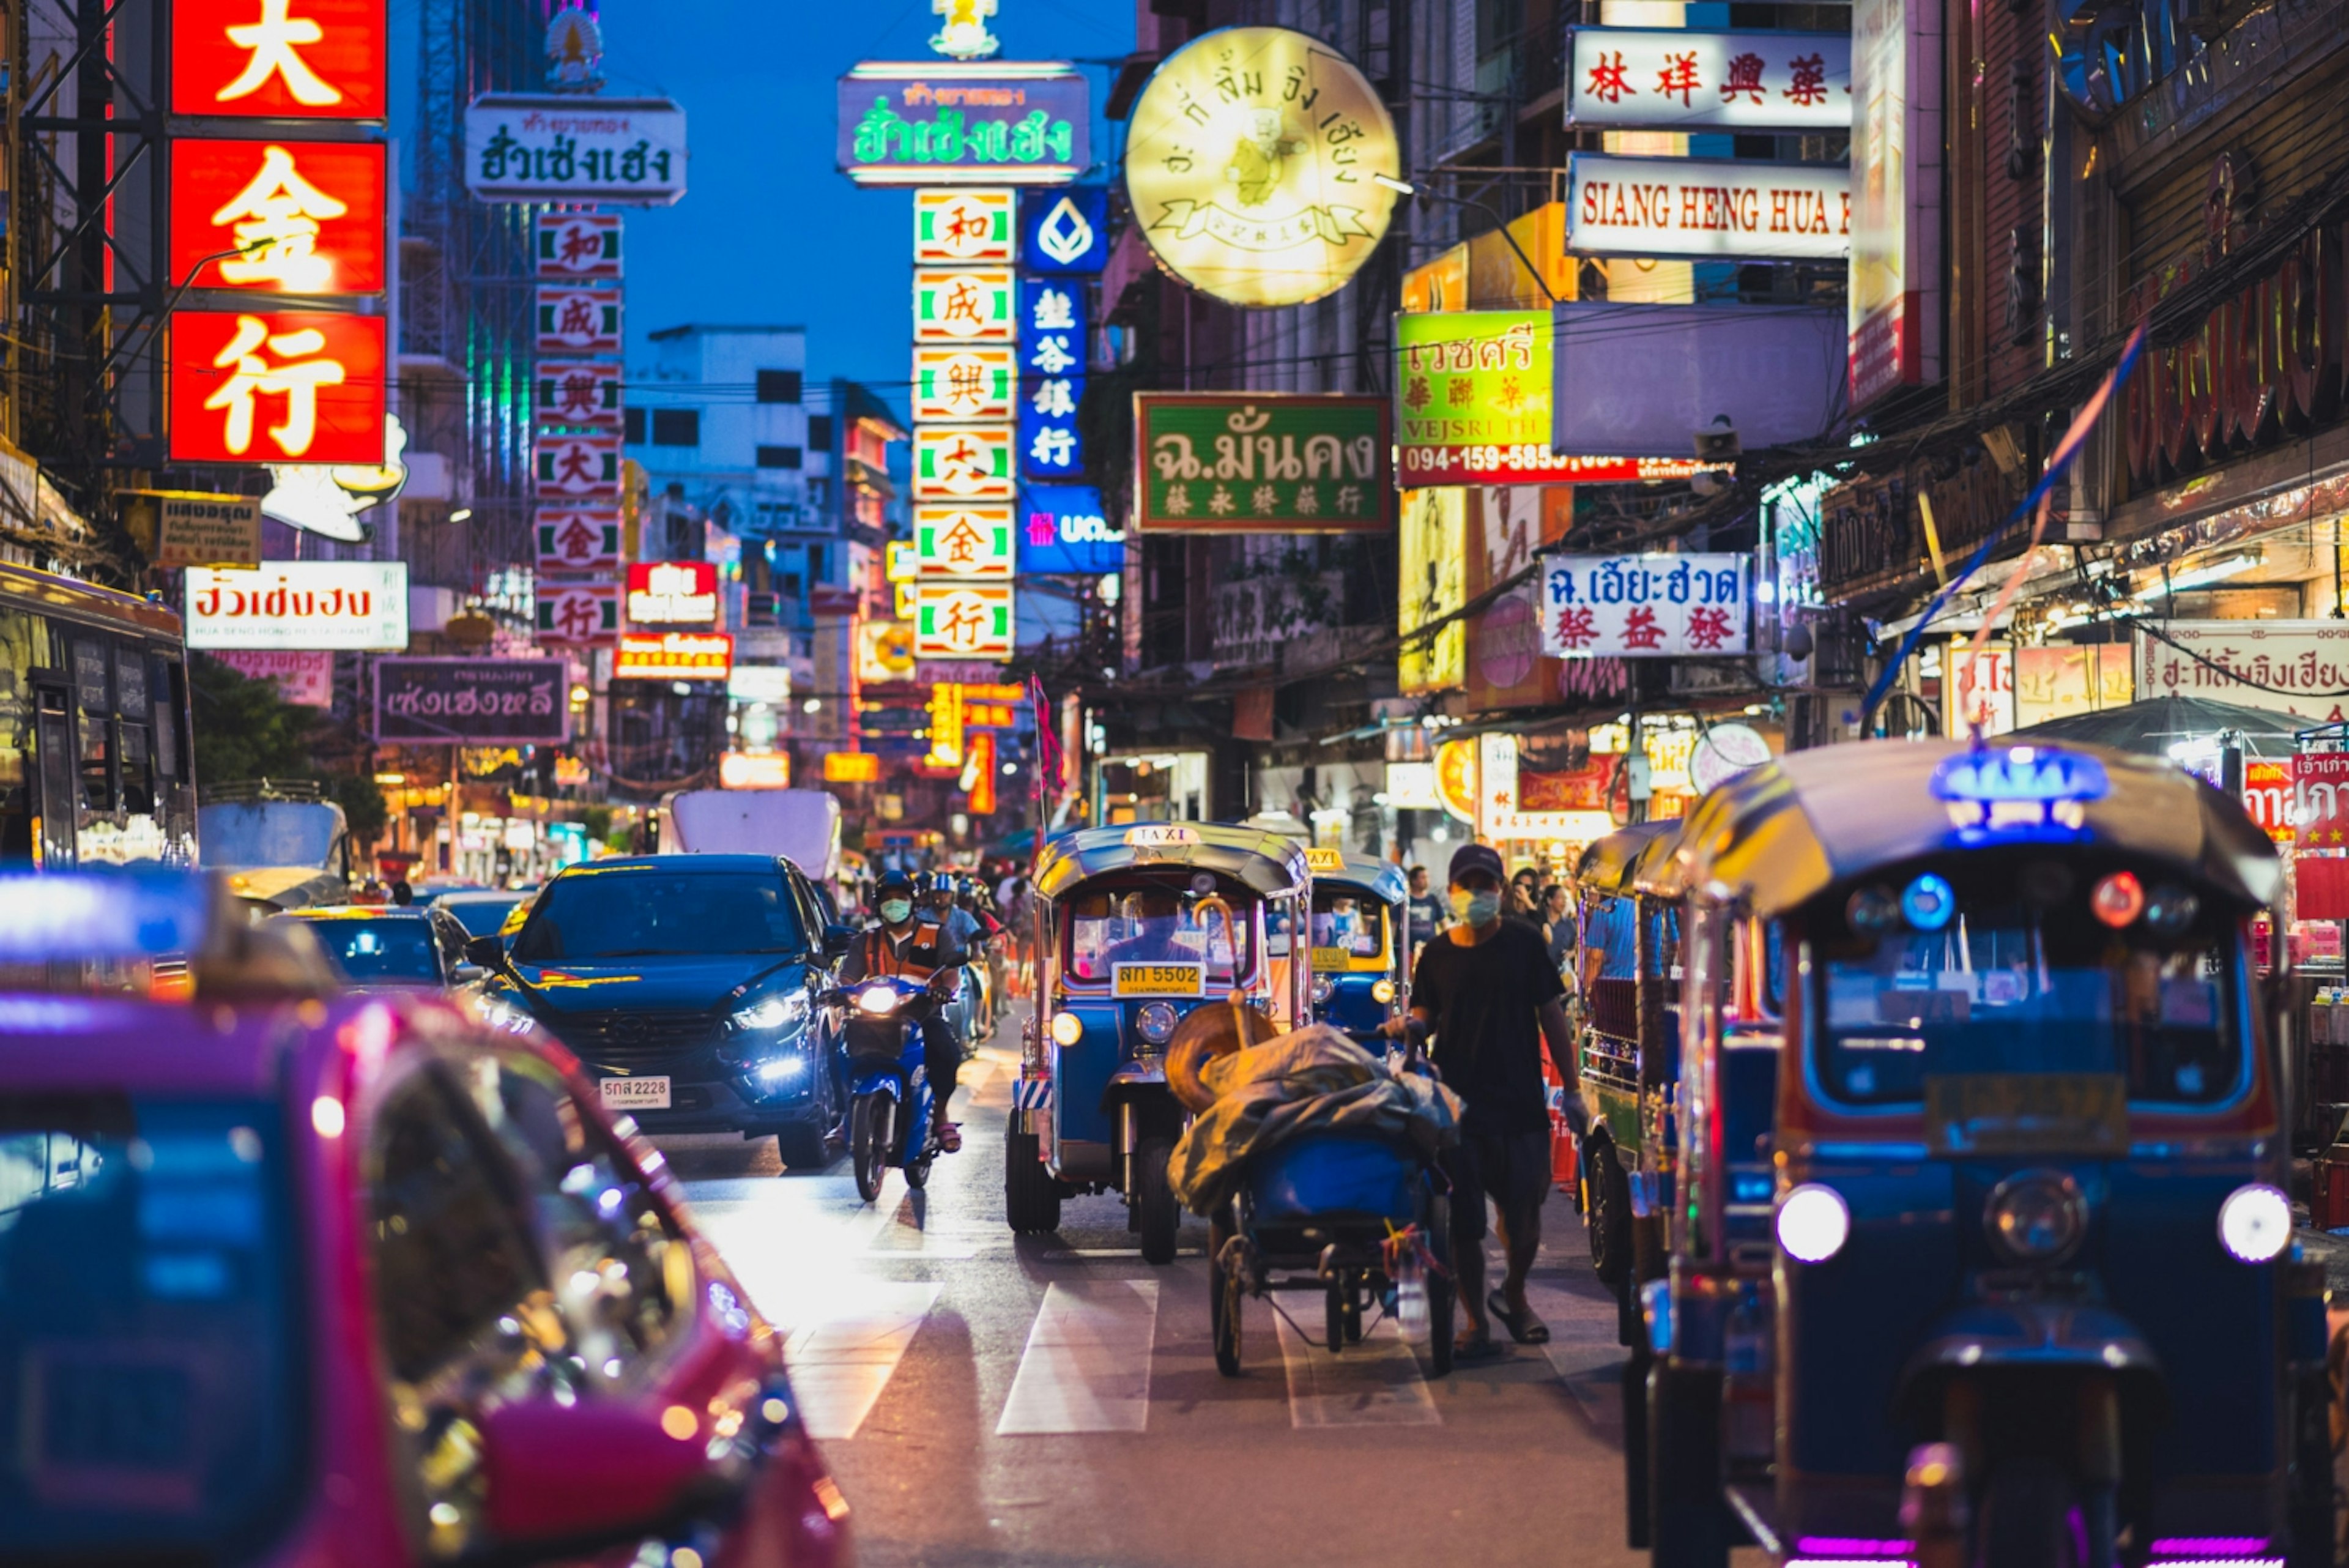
1057	448
962	623
276	218
271	43
296	378
578	617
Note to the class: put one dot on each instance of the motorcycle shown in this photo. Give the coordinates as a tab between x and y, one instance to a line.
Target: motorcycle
891	1115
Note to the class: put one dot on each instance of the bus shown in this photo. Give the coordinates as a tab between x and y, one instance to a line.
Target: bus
95	760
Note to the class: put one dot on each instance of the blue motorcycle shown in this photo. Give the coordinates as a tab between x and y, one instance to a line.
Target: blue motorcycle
891	1119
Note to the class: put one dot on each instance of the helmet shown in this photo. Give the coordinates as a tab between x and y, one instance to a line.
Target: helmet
936	882
893	882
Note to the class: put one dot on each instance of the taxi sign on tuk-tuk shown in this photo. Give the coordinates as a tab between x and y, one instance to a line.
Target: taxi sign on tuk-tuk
1158	980
1159	835
1325	862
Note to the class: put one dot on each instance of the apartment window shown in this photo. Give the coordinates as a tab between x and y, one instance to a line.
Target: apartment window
779	385
779	457
632	425
820	431
677	427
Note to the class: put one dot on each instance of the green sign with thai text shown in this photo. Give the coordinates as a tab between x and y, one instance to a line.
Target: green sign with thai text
1261	462
939	123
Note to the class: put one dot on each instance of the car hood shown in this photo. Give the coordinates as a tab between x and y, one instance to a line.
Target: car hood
646	983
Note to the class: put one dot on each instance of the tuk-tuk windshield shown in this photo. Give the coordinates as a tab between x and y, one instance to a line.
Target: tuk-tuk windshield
1348	921
1155	923
2001	991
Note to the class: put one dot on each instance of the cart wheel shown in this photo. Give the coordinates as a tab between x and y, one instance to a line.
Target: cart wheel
1333	1316
1032	1199
1441	1293
1224	1297
1353	1315
1153	1201
868	1141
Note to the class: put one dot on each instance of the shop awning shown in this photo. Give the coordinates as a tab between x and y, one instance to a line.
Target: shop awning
2153	726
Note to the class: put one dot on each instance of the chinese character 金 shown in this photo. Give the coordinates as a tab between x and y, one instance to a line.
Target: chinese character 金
271	42
1609	81
1810	86
578	541
1744	80
296	379
276	218
1679	77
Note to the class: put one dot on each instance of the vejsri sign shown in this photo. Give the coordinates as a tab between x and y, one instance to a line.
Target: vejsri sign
625	152
934	122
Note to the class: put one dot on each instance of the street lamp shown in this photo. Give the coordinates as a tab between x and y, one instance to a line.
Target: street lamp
1411	188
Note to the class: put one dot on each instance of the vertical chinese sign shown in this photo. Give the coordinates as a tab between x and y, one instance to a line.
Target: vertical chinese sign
248	381
576	416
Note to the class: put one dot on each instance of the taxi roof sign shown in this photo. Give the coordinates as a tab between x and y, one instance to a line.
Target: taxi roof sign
1321	862
1163	836
1989	773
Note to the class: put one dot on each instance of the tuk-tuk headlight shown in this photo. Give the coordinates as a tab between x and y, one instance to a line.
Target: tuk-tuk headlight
2255	1223
2037	1217
1814	1222
1156	1022
1068	1028
1324	988
1382	991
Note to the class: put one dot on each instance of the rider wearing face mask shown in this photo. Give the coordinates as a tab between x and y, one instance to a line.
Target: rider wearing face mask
901	945
1488	997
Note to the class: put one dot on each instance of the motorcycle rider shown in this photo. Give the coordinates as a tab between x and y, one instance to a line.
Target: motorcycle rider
901	945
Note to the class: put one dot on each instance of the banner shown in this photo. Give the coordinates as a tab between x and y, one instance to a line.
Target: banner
963	541
1052	377
1645	607
1895	300
964	228
1671	78
472	702
580	540
1702	208
578	247
1260	463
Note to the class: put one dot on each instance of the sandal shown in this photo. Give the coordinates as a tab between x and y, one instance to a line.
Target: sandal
950	1138
1523	1328
1473	1344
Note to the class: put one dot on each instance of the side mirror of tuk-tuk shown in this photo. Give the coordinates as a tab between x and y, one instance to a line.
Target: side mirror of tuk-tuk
838	940
488	953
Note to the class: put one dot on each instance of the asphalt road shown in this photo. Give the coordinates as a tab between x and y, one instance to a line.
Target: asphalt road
1054	1400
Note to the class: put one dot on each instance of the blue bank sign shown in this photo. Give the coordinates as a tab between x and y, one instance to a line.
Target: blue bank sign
992	122
1063	532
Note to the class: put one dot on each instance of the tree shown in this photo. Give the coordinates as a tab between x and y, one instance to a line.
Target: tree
243	729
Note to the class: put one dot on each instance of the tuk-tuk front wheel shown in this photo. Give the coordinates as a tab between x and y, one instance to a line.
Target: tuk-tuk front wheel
1031	1199
1608	1214
1155	1213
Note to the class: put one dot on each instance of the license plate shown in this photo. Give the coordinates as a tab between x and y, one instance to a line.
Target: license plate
2027	1113
636	1094
1332	958
1160	979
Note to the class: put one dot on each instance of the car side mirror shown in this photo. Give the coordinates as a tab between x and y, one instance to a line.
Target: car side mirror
466	973
586	1475
485	952
838	940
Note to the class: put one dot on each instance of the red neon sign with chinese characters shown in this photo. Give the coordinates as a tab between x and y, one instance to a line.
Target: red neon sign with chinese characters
279	59
276	385
308	216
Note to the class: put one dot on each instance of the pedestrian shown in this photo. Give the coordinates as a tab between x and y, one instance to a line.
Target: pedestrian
1558	924
1424	916
1487	998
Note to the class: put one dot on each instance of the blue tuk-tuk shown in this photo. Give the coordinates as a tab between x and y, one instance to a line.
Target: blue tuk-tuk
1135	927
2009	1279
1359	942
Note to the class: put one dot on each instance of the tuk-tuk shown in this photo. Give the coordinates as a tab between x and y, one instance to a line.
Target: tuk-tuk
1135	927
2028	1295
1359	942
1629	1049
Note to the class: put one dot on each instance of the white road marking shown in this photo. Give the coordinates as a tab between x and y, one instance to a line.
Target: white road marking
1375	1383
1583	1349
1087	1365
841	1364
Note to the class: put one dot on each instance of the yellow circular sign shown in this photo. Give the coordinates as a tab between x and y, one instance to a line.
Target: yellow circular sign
1249	160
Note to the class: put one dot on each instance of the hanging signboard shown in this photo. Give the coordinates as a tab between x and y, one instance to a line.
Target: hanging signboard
968	304
1052	377
2295	667
1064	532
1473	398
1976	687
299	604
966	384
672	593
578	466
304	676
964	228
2320	799
989	122
963	621
587	614
851	768
276	385
308	216
754	770
955	464
561	147
1635	607
280	59
1644	379
578	247
574	321
1261	462
1250	165
195	529
1064	231
1671	78
577	539
1431	575
1706	209
578	392
472	701
1894	306
884	651
673	656
963	541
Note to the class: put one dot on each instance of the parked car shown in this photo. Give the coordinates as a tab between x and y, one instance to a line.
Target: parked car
326	1277
488	911
687	984
387	947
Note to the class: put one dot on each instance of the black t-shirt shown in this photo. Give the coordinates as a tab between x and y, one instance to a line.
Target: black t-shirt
1483	1004
1426	916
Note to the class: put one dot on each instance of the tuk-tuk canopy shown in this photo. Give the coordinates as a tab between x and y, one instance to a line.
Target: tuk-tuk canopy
1627	858
1780	835
1380	880
1267	862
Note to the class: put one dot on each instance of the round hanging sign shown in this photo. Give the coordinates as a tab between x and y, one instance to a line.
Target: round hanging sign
1722	753
1248	163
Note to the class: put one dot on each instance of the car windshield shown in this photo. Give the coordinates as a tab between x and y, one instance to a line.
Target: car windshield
150	1397
1347	923
394	948
1998	991
480	917
1155	924
241	834
658	912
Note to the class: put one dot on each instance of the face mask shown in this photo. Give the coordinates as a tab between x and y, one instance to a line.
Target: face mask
1476	909
895	911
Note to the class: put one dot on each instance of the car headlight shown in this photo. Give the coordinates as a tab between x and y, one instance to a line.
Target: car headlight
1324	988
1382	991
2255	1223
782	1067
1156	1022
773	1013
1814	1222
877	1000
2037	1217
1068	1028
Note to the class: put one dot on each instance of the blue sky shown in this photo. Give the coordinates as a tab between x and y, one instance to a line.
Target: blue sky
769	231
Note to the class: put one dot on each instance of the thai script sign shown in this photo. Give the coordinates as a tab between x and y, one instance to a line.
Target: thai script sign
304	676
1706	209
1655	79
306	217
2297	667
299	604
280	59
199	530
1473	398
2319	812
527	146
672	593
1633	607
673	656
991	123
472	701
1260	463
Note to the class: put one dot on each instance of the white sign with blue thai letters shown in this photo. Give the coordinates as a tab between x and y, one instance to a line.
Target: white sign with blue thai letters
1650	607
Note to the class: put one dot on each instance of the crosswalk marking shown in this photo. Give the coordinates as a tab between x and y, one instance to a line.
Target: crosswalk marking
1376	1383
1583	1350
841	1364
1087	1365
